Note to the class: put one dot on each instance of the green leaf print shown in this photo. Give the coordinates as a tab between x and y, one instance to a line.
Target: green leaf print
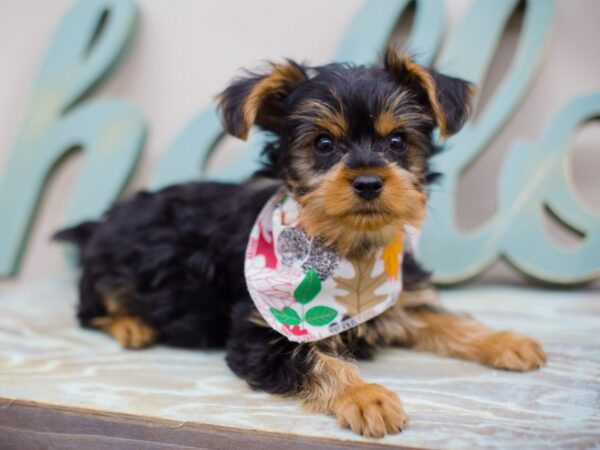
288	315
308	288
320	315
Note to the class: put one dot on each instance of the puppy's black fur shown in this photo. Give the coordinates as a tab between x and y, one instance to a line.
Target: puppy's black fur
177	254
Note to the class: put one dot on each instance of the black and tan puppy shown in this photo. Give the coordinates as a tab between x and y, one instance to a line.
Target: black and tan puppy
351	146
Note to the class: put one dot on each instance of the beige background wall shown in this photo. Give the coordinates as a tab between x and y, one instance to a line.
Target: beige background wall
186	50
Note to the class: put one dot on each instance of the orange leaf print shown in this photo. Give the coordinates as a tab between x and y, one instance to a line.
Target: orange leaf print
391	260
362	286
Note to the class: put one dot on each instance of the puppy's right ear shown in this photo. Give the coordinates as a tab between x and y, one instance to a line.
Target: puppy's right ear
259	99
449	97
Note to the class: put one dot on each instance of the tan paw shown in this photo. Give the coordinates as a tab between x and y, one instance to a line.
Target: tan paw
370	410
131	332
512	351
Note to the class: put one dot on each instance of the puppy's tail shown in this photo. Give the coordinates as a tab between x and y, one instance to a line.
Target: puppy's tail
78	235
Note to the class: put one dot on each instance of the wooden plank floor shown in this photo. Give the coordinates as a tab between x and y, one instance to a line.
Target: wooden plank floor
85	387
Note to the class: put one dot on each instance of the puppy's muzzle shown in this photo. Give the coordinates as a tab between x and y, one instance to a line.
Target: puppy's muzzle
367	187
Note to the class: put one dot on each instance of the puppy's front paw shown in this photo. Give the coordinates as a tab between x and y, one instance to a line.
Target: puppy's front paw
512	351
371	410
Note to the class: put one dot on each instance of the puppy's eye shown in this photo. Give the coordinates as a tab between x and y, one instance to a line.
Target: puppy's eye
324	143
398	143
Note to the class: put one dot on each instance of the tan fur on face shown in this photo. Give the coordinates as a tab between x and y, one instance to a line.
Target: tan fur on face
400	112
387	122
321	115
334	387
332	210
402	115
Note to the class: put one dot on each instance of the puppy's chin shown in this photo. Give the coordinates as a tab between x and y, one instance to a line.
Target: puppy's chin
334	212
367	218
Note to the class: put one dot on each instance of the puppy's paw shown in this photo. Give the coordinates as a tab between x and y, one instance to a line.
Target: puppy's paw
512	351
371	410
131	332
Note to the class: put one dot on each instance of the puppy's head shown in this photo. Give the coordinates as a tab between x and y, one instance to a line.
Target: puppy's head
352	141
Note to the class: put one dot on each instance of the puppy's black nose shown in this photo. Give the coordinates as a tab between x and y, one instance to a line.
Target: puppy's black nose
368	186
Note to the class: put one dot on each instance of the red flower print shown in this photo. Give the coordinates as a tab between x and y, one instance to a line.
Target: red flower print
266	249
296	330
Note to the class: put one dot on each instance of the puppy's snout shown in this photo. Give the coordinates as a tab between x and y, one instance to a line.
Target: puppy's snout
368	187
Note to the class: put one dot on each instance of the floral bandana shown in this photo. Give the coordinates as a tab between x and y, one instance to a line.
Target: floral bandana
307	291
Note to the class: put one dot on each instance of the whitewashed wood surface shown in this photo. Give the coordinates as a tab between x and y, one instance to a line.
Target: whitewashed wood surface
45	357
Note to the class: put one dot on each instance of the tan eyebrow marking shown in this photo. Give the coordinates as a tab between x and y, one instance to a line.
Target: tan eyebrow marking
400	112
324	116
386	123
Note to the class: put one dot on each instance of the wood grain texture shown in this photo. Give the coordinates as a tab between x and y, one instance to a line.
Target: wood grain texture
34	426
46	358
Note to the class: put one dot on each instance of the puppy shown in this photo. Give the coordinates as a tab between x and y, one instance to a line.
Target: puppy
350	146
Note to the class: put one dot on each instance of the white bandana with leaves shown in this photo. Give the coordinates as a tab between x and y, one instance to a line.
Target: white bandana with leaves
306	290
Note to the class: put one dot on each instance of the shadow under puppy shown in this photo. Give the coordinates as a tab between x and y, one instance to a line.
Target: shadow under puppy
351	145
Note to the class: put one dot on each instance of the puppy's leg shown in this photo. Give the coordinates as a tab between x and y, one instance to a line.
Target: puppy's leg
439	331
315	373
131	332
335	387
103	309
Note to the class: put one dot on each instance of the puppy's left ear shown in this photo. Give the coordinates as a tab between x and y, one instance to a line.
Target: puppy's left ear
449	97
259	99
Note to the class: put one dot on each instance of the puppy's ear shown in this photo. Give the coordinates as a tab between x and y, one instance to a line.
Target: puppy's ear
449	97
259	99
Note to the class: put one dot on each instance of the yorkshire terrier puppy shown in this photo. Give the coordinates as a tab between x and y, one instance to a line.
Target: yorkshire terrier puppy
350	148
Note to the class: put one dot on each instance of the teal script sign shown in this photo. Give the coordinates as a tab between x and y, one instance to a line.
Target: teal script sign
94	34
